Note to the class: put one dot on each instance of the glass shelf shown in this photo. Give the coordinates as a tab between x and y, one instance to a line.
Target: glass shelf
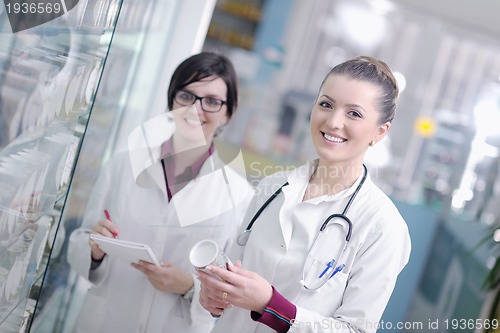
73	83
49	75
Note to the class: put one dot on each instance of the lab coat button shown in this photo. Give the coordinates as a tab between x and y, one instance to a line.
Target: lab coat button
283	247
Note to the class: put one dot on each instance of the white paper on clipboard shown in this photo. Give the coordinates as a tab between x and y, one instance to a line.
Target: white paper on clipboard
126	250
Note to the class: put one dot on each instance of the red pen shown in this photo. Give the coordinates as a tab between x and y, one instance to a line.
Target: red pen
109	218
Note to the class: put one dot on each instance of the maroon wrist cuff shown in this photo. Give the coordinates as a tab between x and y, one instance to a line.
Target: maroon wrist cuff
278	314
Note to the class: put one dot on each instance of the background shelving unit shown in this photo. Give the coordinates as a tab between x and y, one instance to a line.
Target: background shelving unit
48	80
235	23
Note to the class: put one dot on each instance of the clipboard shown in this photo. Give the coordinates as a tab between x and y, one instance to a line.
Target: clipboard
126	250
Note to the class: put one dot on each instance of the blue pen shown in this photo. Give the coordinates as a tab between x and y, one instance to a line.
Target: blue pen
328	266
338	269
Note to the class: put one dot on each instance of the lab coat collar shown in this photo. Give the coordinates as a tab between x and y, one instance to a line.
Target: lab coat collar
145	144
298	180
293	193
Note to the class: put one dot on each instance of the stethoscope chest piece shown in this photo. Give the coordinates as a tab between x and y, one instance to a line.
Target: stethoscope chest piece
243	238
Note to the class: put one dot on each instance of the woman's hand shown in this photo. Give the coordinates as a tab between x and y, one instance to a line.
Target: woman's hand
236	286
167	277
104	228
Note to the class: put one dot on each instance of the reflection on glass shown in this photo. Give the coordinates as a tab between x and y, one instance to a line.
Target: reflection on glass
45	86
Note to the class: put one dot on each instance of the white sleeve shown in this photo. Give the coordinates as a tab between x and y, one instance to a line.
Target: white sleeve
198	313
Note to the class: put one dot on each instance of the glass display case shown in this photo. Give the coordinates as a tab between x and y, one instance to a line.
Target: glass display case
70	90
49	76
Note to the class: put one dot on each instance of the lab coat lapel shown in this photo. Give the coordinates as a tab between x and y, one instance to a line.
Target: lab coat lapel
157	178
294	192
144	145
204	197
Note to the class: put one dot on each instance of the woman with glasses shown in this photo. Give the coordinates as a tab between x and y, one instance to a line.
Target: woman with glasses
169	191
325	244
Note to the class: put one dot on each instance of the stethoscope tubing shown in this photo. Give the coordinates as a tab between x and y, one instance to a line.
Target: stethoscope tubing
243	237
261	209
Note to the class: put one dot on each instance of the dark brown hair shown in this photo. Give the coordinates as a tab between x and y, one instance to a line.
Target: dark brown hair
203	65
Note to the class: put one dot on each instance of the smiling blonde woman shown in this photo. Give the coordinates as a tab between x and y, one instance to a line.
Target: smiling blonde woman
325	250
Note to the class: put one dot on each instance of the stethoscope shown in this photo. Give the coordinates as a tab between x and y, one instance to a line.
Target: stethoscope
323	270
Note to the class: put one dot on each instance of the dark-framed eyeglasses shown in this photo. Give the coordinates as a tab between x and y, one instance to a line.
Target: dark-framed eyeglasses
208	104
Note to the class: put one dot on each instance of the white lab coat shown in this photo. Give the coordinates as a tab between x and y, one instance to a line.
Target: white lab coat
354	299
121	298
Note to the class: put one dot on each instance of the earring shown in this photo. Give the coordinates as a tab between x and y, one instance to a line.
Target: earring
372	143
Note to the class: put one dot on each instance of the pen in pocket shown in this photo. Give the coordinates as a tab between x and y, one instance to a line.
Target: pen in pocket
338	269
328	266
106	213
